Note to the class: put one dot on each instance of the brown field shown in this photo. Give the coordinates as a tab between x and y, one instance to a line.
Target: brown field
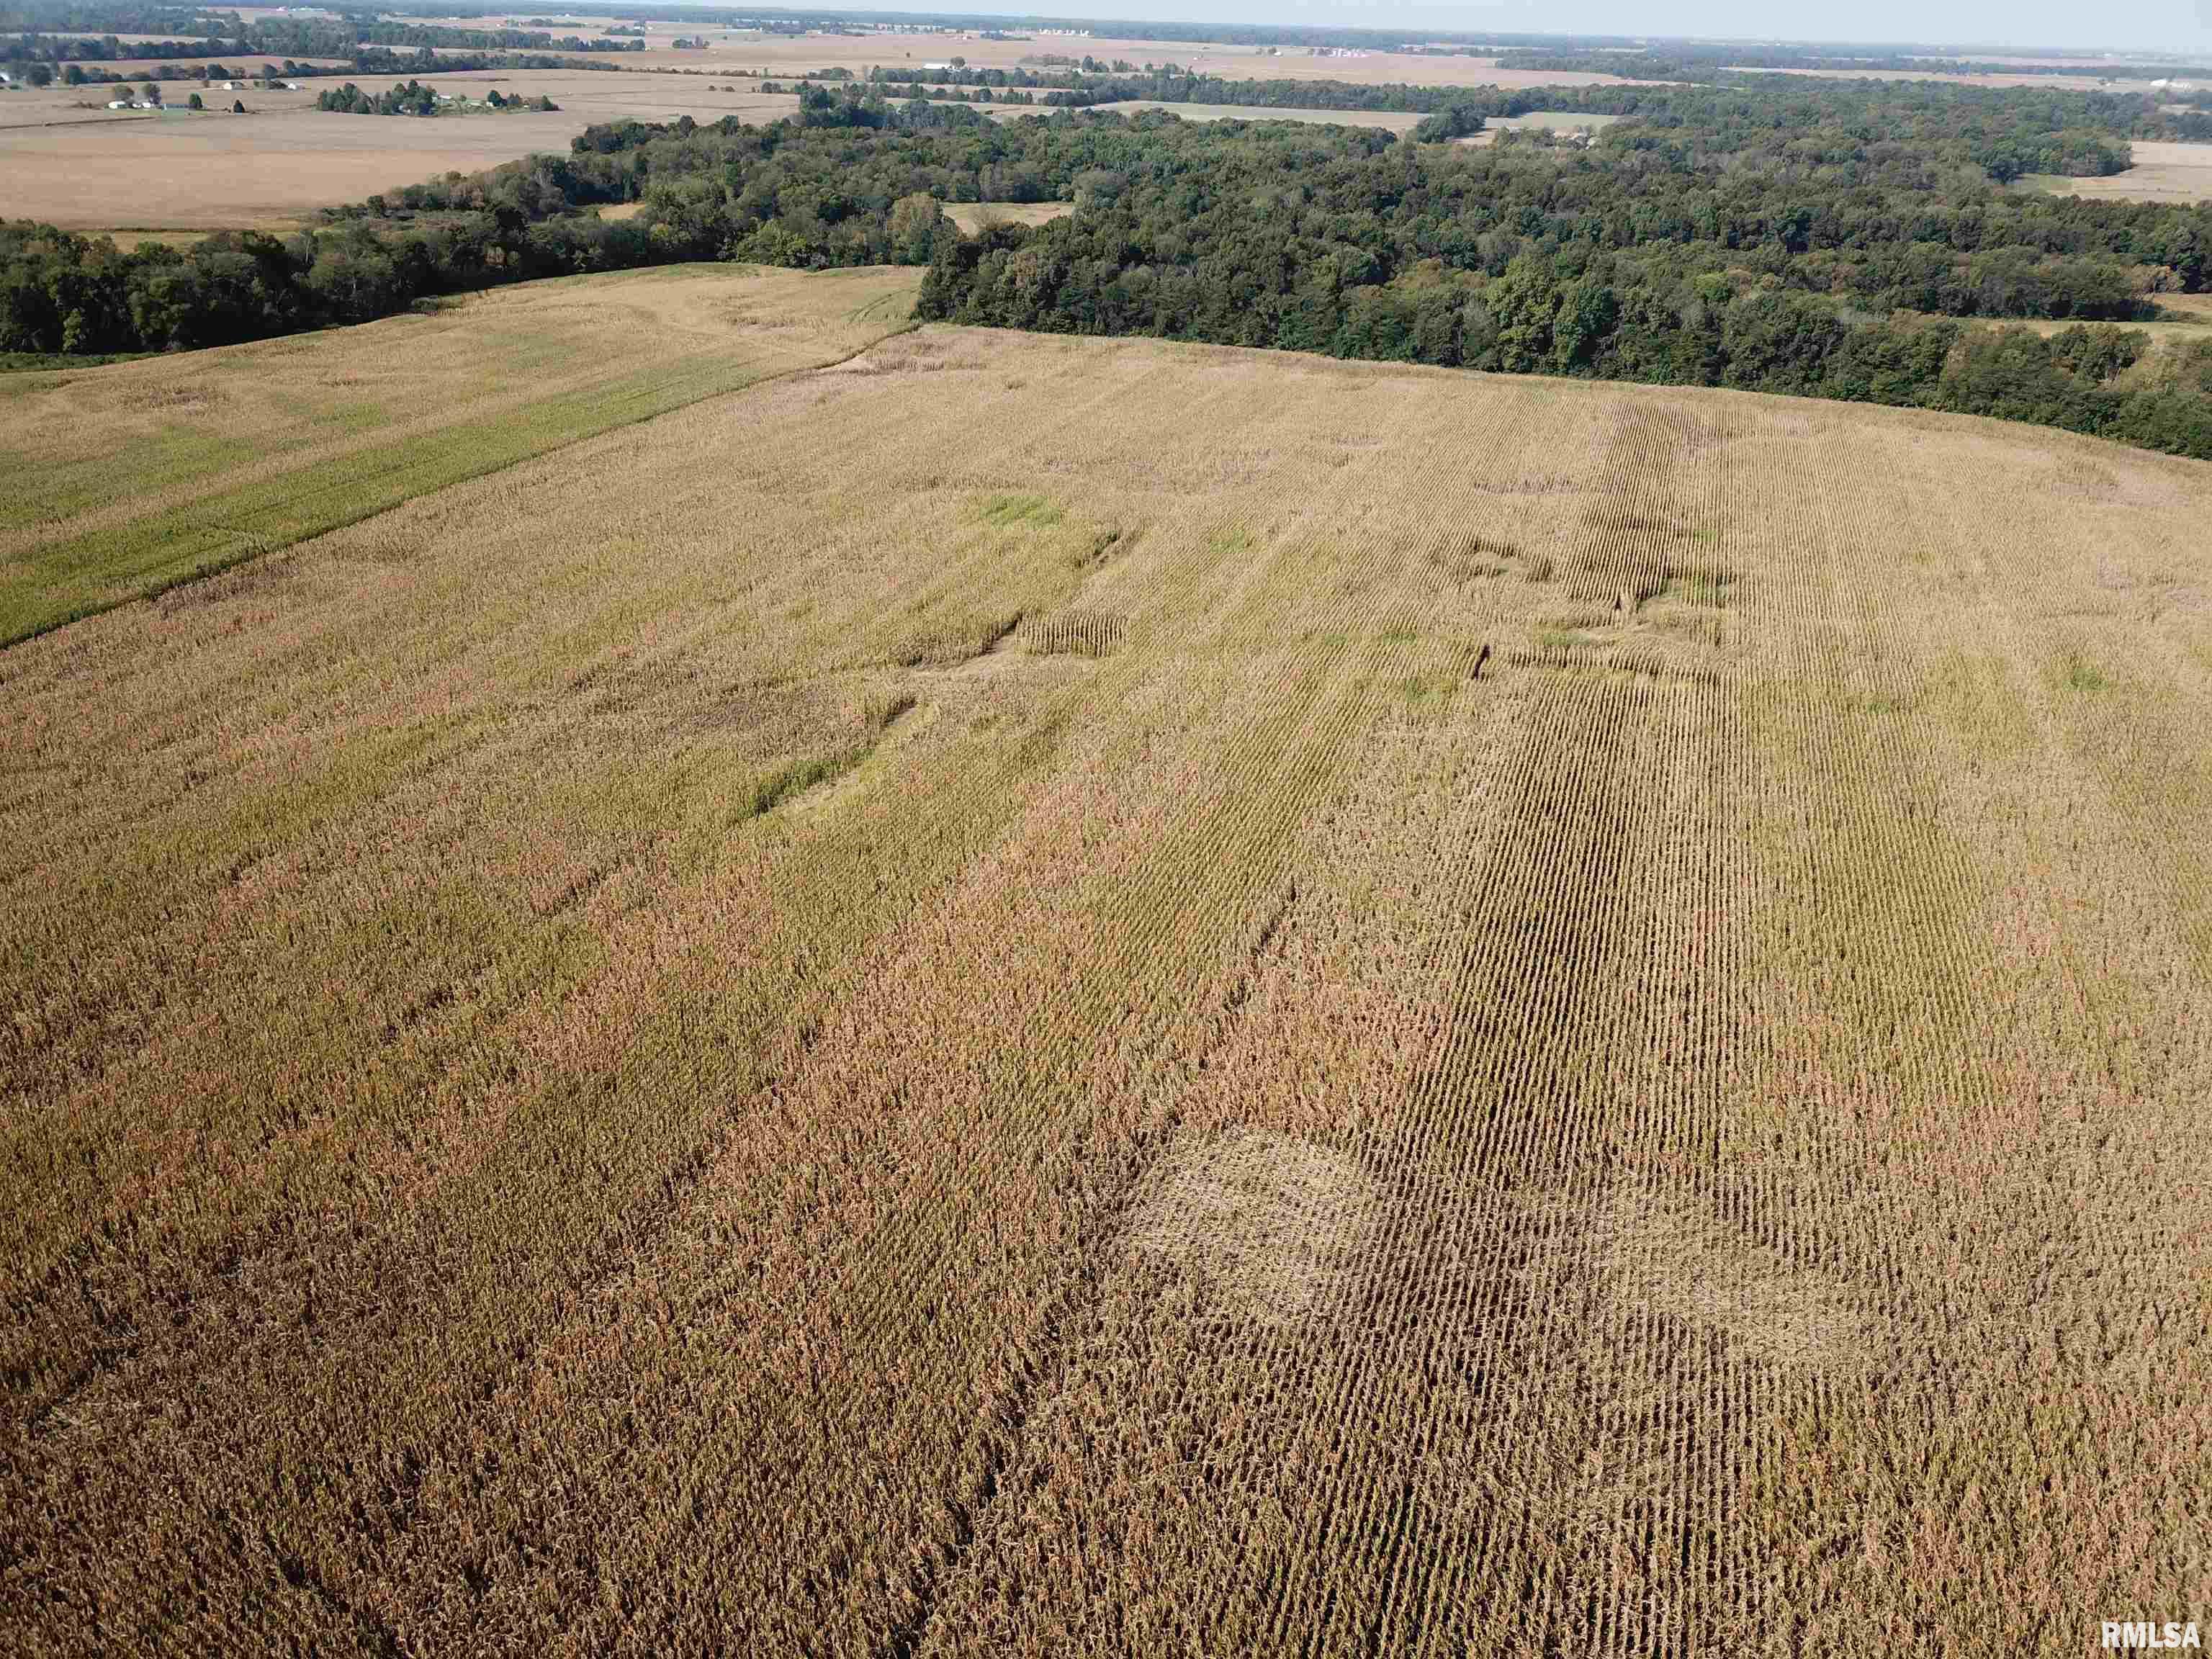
129	236
213	170
1390	121
730	51
561	22
1545	120
2087	81
2162	172
2183	318
1554	121
60	106
2087	63
1054	996
972	216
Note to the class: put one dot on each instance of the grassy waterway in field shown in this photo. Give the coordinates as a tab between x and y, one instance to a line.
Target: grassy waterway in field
128	479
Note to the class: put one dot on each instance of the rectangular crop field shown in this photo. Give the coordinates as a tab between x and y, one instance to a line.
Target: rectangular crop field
2162	172
974	217
68	160
1389	120
1044	996
127	480
2089	81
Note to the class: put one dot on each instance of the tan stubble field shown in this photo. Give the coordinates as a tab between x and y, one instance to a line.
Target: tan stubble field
211	170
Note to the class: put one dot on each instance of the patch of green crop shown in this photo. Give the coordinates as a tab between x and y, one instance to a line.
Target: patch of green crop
94	571
1021	508
2085	676
172	454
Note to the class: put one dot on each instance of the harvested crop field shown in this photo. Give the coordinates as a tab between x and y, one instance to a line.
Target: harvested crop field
2162	172
1389	120
211	170
898	1015
131	236
2089	81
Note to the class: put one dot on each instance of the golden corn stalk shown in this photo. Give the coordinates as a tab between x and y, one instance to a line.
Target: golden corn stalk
1507	1016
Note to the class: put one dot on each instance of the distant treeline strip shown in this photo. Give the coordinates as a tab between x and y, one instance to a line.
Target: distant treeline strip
2006	131
367	60
1789	255
311	38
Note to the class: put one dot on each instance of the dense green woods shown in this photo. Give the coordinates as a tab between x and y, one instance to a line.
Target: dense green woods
1817	238
1634	260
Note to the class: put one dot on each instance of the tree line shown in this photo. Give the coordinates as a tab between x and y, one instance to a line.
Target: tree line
1700	60
415	97
297	37
366	60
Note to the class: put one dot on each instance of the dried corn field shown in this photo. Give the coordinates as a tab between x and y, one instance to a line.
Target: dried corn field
1045	996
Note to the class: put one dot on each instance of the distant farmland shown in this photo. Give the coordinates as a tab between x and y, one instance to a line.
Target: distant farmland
88	168
206	458
1045	995
1391	121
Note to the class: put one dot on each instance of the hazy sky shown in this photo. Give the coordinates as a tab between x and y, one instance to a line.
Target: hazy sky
2167	24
